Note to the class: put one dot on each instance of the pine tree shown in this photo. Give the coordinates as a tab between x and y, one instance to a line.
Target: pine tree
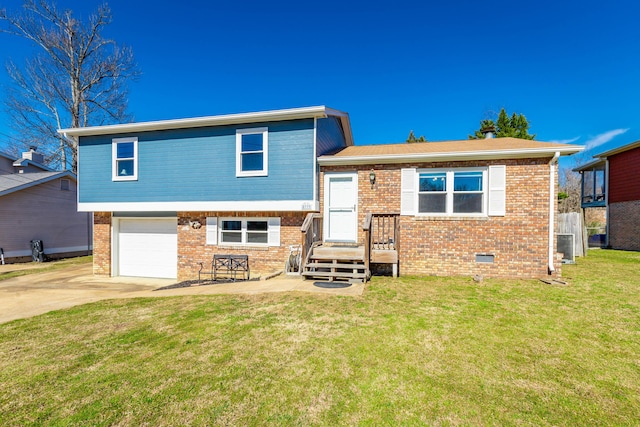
516	126
412	138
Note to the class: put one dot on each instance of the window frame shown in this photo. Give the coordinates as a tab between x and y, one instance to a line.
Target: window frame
243	231
264	131
450	191
115	159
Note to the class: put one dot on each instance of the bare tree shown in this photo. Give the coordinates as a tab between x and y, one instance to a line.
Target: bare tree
570	191
78	79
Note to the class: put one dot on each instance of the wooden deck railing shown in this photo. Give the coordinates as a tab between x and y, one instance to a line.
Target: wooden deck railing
311	233
381	232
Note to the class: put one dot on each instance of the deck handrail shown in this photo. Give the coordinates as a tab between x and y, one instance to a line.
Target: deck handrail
381	232
311	233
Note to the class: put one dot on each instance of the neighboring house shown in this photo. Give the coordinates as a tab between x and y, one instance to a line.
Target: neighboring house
37	203
612	180
169	195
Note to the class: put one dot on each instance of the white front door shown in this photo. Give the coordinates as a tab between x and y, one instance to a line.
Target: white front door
341	207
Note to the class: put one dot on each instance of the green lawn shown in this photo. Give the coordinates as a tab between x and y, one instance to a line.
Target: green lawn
14	270
410	351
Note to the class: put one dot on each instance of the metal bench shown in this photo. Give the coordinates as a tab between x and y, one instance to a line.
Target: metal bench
228	266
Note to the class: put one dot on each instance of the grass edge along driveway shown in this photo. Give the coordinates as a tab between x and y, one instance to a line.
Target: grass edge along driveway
437	351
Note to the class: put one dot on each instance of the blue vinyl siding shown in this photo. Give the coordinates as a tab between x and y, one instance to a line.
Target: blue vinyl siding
330	136
200	165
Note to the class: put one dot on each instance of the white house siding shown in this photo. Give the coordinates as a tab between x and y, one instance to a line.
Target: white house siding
44	212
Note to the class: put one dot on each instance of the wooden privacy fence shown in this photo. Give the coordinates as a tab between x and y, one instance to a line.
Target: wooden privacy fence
571	223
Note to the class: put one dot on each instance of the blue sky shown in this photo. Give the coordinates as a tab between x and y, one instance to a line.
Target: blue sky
435	67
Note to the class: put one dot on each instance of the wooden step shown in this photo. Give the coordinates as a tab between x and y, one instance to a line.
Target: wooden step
338	253
337	257
348	266
334	275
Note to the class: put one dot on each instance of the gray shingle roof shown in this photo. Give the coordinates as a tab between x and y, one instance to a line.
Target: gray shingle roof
10	183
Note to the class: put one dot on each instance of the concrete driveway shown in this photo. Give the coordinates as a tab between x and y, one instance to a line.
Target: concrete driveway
26	296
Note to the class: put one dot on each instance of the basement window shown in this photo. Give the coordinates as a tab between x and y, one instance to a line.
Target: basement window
485	258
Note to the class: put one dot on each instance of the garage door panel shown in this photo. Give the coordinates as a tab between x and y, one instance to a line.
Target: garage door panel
148	248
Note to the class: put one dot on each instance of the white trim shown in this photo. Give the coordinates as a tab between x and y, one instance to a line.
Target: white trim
47	251
226	206
227	119
265	151
114	159
445	156
449	191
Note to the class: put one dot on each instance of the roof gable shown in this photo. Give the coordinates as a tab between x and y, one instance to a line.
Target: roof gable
11	183
618	150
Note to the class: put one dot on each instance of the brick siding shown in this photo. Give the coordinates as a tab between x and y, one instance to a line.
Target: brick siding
448	246
624	225
192	247
102	243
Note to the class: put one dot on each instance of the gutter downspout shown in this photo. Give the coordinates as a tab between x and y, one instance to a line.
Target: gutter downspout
552	207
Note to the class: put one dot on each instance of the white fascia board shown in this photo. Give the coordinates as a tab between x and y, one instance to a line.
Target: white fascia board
442	157
227	119
250	206
618	150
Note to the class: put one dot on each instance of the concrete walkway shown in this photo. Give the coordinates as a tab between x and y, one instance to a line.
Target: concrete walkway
26	296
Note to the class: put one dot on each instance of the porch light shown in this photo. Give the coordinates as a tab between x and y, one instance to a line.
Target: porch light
372	178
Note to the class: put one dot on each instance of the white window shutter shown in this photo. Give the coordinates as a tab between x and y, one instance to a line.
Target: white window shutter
497	190
274	231
408	192
212	230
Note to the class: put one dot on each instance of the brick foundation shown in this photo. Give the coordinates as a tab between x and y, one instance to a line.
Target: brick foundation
448	246
624	225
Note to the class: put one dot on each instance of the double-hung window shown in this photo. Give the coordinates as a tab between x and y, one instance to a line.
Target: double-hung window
124	159
244	231
252	154
452	192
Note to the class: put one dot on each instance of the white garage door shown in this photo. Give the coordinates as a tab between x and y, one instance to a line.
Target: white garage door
148	248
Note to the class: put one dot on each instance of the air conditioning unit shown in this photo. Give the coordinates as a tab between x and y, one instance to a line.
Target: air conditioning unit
567	246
